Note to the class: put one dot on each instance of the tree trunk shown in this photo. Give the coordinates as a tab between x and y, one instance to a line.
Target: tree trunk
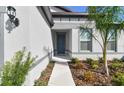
105	59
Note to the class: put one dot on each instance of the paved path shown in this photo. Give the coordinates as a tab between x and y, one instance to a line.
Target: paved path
59	59
61	75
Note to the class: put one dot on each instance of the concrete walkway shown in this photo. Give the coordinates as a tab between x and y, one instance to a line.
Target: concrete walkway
59	59
61	75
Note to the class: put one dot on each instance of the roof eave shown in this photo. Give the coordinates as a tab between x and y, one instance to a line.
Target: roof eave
63	8
72	14
47	14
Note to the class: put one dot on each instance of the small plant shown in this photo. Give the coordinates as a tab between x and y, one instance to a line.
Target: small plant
122	59
75	60
94	64
51	64
117	65
116	60
89	76
79	65
118	79
89	60
41	83
14	71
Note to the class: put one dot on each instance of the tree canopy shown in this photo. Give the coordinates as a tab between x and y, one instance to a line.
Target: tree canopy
107	17
108	20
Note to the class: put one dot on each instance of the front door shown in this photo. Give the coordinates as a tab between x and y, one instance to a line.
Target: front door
61	42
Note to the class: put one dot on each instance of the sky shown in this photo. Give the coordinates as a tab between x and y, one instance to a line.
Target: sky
77	8
83	9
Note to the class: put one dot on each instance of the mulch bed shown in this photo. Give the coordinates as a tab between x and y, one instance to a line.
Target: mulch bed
99	75
45	75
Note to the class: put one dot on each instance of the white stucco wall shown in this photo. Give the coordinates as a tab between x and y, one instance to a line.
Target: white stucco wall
70	42
40	34
96	49
75	40
40	43
19	37
120	42
2	9
33	33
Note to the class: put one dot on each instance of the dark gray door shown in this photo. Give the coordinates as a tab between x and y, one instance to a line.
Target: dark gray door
61	43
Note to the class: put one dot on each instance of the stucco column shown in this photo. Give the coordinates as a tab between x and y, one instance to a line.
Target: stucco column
75	40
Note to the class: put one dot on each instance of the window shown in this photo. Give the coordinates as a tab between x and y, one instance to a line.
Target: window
64	19
85	40
73	19
56	19
112	41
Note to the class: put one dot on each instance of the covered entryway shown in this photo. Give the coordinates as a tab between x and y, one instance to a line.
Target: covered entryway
61	42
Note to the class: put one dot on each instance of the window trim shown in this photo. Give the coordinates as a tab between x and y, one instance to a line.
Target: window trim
86	51
116	38
79	44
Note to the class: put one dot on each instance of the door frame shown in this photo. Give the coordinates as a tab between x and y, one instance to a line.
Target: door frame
59	33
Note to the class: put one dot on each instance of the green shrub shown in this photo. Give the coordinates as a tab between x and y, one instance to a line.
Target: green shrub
89	60
117	65
116	60
41	83
75	60
94	64
79	65
101	59
122	59
118	79
89	76
14	71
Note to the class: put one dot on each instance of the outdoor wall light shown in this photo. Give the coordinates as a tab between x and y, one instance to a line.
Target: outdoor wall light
12	22
11	11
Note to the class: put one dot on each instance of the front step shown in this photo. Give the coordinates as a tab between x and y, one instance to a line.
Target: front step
58	59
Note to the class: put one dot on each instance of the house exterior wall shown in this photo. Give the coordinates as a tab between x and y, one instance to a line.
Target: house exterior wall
33	33
96	48
120	42
19	37
70	43
2	9
67	37
40	43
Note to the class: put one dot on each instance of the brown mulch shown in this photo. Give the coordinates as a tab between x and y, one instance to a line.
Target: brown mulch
45	75
99	75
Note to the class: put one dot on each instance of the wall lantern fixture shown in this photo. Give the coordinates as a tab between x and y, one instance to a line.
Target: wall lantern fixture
11	11
12	22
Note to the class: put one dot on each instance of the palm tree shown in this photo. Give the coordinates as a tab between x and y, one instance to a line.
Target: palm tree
106	20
